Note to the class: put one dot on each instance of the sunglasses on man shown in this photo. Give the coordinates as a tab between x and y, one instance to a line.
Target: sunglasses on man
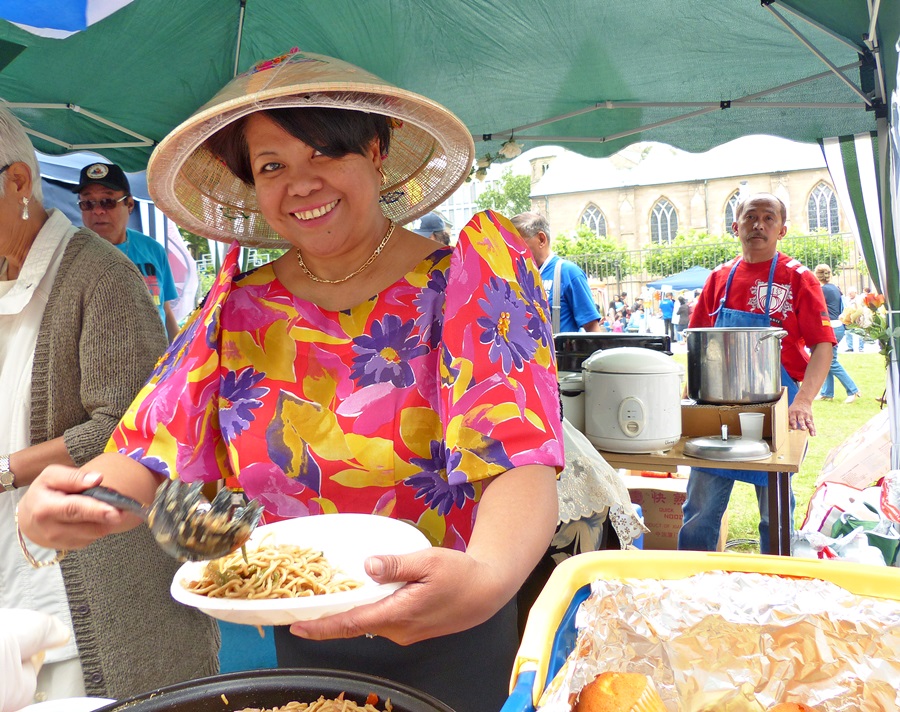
105	203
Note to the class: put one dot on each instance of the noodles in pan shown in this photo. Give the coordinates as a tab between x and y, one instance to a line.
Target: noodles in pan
323	705
271	571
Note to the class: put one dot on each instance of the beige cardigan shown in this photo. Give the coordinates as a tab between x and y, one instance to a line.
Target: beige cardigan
99	339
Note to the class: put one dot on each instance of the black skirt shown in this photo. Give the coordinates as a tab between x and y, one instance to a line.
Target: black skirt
468	671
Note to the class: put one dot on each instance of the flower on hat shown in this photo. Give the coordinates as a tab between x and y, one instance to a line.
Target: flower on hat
510	149
274	62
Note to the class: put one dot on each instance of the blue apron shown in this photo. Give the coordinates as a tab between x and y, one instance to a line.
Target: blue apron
726	318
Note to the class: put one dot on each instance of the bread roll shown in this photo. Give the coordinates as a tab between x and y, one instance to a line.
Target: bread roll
619	692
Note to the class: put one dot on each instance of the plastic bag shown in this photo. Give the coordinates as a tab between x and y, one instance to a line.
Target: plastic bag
24	636
853	546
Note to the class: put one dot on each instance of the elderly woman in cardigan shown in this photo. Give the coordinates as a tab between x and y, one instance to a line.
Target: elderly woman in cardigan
79	335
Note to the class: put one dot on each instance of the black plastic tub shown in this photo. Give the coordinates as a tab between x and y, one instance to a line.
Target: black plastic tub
572	349
275	688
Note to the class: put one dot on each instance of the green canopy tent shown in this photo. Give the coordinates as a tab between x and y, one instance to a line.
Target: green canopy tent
589	75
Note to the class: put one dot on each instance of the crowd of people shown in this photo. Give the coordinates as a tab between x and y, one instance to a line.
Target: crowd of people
641	316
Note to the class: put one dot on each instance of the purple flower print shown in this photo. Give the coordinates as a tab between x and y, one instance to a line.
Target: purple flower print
430	305
431	485
539	316
384	355
239	395
505	326
158	466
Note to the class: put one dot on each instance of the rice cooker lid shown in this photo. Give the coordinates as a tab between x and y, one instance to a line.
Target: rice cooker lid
570	382
631	360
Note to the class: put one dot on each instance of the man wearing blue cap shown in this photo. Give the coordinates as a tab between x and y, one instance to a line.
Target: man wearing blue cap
432	226
106	204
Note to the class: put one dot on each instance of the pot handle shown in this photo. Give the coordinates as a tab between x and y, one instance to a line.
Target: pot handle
780	334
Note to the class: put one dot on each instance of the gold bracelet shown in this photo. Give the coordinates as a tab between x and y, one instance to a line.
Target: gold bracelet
35	564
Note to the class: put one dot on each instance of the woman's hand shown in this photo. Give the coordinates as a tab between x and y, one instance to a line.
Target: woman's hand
447	591
51	517
451	591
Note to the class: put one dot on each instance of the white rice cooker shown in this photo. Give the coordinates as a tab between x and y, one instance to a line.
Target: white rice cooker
571	393
632	400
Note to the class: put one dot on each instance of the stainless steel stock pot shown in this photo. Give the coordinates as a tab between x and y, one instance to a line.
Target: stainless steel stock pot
734	365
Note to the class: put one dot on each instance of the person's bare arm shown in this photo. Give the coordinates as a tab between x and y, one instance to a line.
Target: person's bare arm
172	327
51	517
28	463
593	326
800	411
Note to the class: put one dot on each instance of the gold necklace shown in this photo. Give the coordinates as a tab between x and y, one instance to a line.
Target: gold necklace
314	278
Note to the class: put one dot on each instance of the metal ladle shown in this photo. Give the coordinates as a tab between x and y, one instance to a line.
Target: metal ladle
185	524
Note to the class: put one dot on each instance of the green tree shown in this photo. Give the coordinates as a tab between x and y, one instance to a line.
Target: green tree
599	257
695	248
509	196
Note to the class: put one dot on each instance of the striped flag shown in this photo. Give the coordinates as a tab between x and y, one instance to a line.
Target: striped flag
864	170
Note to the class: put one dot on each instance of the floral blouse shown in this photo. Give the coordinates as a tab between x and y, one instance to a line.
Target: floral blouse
401	406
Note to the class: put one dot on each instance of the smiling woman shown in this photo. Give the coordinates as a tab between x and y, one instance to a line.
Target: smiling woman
367	370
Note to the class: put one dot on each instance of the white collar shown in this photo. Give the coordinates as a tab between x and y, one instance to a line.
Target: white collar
53	234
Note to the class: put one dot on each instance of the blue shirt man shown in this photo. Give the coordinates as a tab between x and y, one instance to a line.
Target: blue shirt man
571	302
666	309
106	204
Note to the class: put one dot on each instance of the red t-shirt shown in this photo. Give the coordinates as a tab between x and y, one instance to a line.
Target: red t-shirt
797	305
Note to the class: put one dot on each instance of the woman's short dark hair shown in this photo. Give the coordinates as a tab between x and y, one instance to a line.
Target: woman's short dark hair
334	132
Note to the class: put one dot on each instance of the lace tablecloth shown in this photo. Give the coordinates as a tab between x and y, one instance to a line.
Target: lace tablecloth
589	490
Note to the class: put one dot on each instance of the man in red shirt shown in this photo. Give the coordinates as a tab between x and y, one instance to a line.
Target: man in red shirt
760	288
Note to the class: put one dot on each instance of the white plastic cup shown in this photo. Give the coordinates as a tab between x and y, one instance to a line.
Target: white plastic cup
752	425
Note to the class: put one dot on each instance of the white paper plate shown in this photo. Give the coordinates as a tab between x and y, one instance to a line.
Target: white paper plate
346	540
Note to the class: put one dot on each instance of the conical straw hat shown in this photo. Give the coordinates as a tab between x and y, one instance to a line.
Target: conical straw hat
431	151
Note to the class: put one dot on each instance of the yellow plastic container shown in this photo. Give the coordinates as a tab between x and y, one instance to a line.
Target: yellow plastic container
571	575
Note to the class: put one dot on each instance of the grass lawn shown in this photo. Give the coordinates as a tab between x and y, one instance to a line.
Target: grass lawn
835	421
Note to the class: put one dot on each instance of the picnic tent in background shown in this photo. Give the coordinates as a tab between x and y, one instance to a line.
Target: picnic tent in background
588	75
692	278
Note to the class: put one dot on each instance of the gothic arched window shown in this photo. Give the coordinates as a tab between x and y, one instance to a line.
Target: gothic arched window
593	218
822	208
663	222
730	209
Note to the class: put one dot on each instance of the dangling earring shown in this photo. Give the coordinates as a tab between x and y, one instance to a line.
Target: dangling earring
24	208
383	177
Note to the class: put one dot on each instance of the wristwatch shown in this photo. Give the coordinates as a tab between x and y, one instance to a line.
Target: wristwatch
7	478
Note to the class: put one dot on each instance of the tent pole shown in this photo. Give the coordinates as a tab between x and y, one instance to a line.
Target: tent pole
872	37
508	133
240	34
822	58
665	122
85	146
142	140
818	25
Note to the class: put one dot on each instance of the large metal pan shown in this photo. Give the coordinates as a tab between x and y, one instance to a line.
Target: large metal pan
274	688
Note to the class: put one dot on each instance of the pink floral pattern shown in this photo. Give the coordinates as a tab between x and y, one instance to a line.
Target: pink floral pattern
401	406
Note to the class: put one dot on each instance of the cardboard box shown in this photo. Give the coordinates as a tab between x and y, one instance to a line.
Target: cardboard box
700	420
661	500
